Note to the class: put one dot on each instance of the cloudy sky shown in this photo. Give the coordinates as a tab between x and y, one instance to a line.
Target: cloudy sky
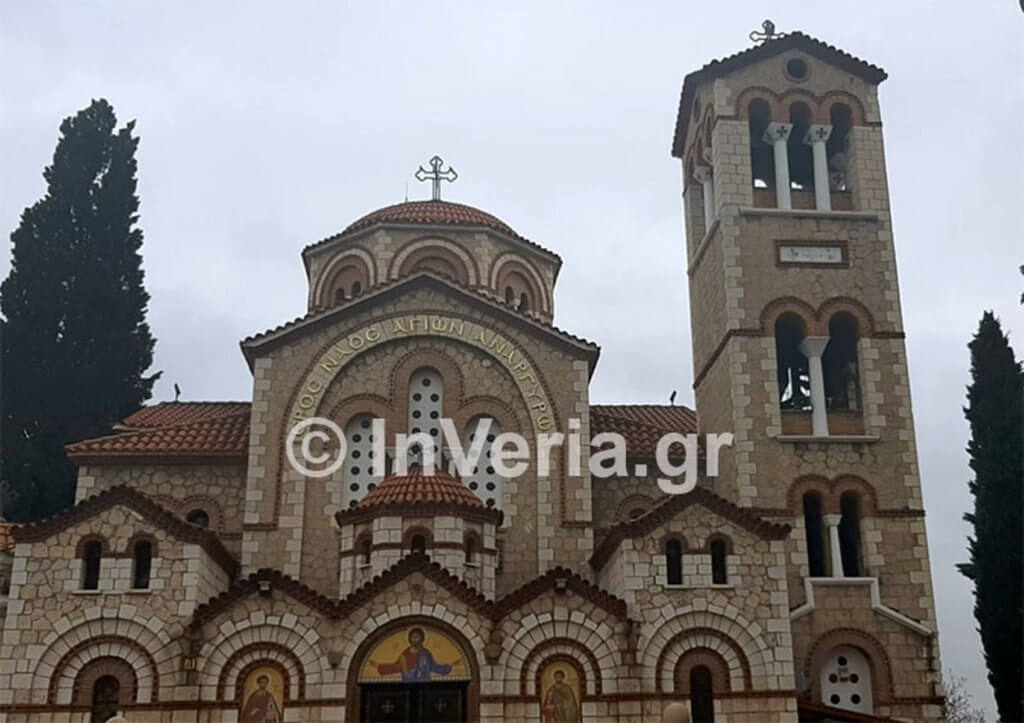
265	128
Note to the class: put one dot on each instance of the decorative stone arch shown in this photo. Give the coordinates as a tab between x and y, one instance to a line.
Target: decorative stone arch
719	537
835	305
509	263
863	489
359	405
813	103
114	654
423	248
228	643
564	650
150	639
733	665
410	532
840	97
210	505
632	502
231	684
873	650
105	549
129	550
721	678
830	492
759	92
484	405
792	305
458	630
735	638
421	358
669	536
599	640
101	667
324	286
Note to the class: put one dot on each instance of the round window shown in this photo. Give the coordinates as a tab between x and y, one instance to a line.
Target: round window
797	69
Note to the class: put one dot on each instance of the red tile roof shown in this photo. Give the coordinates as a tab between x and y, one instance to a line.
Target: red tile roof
417	488
780	44
219	436
432	213
642	425
221	429
168	414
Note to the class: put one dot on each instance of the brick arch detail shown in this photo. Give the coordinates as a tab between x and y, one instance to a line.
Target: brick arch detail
91	672
831	307
736	664
249	632
105	548
484	405
632	502
831	490
66	682
419	358
562	650
324	283
669	536
721	681
509	262
788	304
359	404
779	103
874	651
424	247
719	537
816	320
238	666
597	638
154	643
836	97
678	624
154	545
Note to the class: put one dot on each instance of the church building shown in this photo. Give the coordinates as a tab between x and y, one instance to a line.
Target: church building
206	574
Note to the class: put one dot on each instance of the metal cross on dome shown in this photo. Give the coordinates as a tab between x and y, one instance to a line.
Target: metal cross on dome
436	175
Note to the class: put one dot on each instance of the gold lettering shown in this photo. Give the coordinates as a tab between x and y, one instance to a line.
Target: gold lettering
373	334
329	364
459	325
438	324
306	401
352	342
397	327
313	386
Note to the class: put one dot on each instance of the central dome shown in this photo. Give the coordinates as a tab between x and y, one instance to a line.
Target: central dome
438	213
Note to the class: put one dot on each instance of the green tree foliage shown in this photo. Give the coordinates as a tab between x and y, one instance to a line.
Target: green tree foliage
76	344
996	414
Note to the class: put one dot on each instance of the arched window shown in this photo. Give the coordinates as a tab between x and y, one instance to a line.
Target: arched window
470	546
357	288
92	554
702	697
674	562
839	363
814	530
792	368
142	564
339	295
199	518
845	680
524	302
418	545
837	148
510	296
365	547
437	265
719	565
801	156
485	482
636	513
762	158
849	534
358	477
426	405
106	699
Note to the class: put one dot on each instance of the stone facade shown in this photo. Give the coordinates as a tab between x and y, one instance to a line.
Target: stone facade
202	574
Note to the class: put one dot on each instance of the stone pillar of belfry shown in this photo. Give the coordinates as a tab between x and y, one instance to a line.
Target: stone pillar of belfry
816	137
813	347
777	134
703	176
832	522
676	713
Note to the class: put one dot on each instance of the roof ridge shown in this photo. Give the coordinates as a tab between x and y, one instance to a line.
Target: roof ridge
139	431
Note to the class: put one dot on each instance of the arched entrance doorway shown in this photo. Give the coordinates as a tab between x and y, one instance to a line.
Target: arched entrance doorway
414	670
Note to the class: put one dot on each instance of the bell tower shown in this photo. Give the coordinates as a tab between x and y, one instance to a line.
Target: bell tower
798	347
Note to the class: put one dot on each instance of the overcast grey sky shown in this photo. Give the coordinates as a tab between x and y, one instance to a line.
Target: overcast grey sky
265	128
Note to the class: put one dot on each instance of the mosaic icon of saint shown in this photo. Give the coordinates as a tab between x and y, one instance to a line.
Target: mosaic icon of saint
261	706
416	663
560	704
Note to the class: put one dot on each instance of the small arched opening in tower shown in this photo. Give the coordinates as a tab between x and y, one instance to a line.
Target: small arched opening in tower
849	534
793	372
839	364
702	697
674	562
801	157
837	149
762	158
815	534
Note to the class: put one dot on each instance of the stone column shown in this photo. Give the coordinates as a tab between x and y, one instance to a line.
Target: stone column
777	134
813	347
816	137
703	175
832	521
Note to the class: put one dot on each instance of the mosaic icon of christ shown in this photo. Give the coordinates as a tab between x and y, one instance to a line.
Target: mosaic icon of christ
416	663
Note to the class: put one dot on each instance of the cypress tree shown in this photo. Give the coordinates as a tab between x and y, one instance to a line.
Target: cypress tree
996	414
76	343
